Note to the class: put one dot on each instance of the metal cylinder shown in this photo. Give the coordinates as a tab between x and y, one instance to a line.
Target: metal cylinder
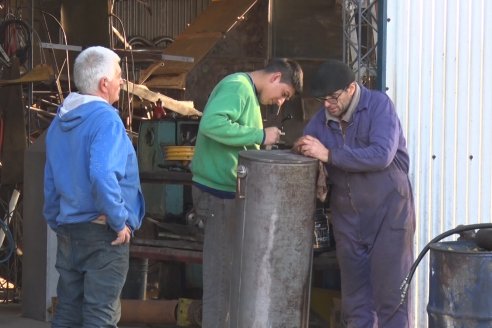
151	312
460	286
276	202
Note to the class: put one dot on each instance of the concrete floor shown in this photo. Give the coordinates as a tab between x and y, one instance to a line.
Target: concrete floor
11	317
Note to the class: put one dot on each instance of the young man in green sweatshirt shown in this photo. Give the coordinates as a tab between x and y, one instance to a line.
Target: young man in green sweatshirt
231	122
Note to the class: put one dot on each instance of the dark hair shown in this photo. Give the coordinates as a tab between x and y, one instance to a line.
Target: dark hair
291	72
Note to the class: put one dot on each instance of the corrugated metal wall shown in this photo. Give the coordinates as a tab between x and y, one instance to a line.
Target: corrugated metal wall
156	18
439	74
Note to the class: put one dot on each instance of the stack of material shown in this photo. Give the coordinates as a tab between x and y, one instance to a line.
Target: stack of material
178	153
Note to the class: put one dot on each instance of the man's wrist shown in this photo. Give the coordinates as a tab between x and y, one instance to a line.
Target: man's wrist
327	157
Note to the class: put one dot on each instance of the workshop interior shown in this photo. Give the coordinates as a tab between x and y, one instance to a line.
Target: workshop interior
173	53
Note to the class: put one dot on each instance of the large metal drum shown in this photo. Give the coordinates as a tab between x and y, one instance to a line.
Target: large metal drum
273	242
460	286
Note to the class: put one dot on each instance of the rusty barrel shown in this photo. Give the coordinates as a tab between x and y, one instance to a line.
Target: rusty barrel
273	240
460	285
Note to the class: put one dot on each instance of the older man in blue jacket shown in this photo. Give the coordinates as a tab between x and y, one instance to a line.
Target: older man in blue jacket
92	195
358	136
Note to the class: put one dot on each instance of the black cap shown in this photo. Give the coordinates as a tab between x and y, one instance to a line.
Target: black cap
331	76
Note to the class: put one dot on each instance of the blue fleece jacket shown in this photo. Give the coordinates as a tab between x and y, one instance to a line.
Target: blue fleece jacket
91	166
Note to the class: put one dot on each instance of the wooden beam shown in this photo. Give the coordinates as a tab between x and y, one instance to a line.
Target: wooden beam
42	72
182	107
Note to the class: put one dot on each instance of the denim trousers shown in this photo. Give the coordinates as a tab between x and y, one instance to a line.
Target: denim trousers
92	275
218	219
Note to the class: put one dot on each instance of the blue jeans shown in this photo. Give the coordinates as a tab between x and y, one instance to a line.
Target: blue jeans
92	274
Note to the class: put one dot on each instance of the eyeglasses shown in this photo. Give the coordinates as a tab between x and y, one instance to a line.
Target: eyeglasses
330	99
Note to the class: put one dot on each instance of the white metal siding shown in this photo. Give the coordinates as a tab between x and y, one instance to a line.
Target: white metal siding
439	75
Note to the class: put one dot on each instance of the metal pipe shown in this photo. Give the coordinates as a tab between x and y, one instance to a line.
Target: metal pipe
148	311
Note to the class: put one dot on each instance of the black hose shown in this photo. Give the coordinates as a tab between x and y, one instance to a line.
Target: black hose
139	41
461	228
164	40
406	282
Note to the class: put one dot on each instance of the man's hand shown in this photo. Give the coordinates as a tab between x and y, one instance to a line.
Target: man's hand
272	135
312	147
123	237
297	146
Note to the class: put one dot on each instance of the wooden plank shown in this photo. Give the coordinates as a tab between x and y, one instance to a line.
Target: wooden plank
220	16
203	34
168	81
39	73
143	92
144	75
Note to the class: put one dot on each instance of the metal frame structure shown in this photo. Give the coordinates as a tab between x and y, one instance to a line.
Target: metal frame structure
362	46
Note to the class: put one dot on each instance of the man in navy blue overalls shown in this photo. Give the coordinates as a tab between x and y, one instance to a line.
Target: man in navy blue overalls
358	136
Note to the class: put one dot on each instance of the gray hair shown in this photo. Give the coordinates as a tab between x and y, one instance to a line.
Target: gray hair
91	65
